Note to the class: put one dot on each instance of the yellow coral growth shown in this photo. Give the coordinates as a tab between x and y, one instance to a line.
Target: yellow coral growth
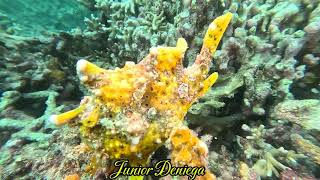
132	111
187	149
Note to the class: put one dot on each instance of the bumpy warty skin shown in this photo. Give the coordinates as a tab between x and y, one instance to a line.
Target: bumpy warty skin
131	111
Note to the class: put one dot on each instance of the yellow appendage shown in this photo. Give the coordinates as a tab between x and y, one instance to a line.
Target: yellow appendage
215	31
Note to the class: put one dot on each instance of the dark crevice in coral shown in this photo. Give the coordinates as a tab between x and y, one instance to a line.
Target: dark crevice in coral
5	136
269	103
35	85
262	33
233	105
303	91
30	107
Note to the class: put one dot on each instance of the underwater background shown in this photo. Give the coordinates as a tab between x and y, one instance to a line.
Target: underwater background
260	120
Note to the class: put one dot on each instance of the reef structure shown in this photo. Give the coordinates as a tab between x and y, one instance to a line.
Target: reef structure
132	111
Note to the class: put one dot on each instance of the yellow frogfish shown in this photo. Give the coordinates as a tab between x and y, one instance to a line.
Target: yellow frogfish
131	111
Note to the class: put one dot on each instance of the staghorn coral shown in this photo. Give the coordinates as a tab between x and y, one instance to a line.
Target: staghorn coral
30	91
269	157
132	26
23	135
27	77
132	111
26	129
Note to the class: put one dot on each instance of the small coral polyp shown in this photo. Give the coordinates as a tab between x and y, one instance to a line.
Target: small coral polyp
132	111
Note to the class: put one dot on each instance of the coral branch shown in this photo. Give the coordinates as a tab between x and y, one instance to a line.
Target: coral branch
27	129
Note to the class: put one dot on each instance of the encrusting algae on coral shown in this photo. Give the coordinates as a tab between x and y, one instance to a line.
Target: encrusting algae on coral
134	110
